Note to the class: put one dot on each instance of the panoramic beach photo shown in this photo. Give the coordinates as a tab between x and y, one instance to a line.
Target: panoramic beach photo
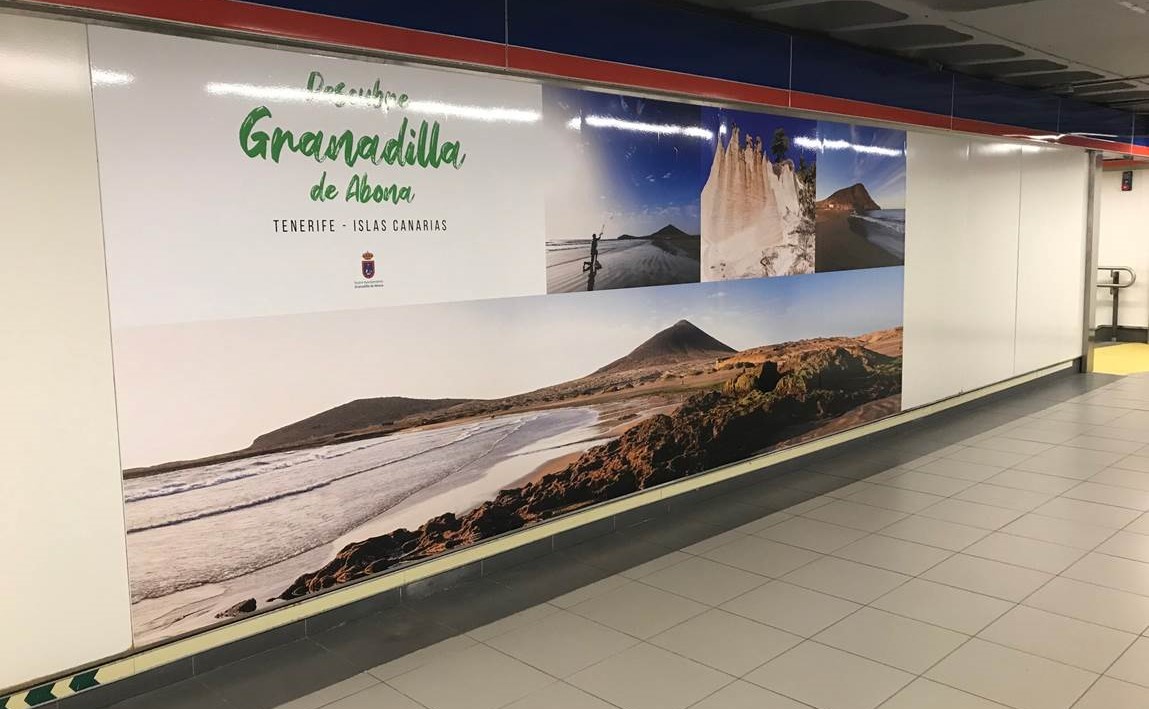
622	202
758	200
861	197
274	457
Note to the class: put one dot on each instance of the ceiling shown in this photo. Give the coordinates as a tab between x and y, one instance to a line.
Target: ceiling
1093	50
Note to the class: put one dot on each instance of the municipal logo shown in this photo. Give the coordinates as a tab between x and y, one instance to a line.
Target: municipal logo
368	264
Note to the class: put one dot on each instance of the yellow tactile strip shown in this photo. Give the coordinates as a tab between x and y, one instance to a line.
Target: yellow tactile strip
1127	358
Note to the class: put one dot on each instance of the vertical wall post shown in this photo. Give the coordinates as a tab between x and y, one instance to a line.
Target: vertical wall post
1092	230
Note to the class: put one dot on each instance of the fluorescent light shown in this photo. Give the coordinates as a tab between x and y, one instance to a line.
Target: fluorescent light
808	143
437	108
655	128
108	77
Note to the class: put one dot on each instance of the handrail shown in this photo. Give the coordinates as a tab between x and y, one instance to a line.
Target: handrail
1115	283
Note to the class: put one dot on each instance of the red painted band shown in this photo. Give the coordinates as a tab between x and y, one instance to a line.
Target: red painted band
862	109
325	29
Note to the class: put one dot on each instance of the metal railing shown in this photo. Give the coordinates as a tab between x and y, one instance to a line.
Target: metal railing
1115	286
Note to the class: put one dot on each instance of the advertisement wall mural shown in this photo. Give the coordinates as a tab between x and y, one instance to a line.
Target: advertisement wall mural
555	298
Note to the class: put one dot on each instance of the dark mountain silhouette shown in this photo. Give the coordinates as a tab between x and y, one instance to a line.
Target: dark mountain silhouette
352	416
667	232
680	342
854	198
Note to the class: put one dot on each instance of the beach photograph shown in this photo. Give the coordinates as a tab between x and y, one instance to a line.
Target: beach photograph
622	202
270	458
758	199
861	197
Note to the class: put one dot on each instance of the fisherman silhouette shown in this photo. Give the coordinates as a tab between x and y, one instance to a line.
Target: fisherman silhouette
592	266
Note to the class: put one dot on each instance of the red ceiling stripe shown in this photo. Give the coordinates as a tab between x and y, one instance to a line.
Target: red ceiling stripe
325	29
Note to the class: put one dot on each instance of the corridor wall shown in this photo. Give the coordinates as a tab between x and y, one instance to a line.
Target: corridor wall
1124	241
995	253
986	296
64	597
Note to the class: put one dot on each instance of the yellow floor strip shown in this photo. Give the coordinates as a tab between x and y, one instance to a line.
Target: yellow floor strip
1128	358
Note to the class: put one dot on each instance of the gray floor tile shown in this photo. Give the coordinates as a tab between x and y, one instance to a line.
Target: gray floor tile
424	656
704	580
893	554
1012	677
988	577
961	470
1024	551
1008	497
973	514
1120	477
639	610
512	622
1034	482
475	678
946	606
846	579
891	639
1110	495
927	483
1011	445
562	643
1077	463
1133	666
743	695
1111	693
811	534
791	608
762	556
725	641
927	694
934	532
1074	642
375	697
648	677
327	695
1066	532
1111	571
1127	545
850	514
1096	604
559	695
1088	512
827	678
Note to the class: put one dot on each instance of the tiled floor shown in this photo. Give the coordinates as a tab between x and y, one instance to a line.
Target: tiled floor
996	557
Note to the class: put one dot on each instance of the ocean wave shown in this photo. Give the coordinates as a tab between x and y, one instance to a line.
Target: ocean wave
506	427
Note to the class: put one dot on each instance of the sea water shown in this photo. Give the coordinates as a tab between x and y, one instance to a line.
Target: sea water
884	228
211	523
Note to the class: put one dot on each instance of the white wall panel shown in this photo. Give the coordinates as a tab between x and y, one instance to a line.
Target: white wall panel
1124	241
987	296
64	598
936	168
962	214
1051	257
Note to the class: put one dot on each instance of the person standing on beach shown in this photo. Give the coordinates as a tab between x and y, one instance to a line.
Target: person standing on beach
590	267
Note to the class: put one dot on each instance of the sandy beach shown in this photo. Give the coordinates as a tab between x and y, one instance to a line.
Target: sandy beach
839	248
626	263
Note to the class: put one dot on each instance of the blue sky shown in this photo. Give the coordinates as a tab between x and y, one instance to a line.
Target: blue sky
481	349
884	176
762	125
639	180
